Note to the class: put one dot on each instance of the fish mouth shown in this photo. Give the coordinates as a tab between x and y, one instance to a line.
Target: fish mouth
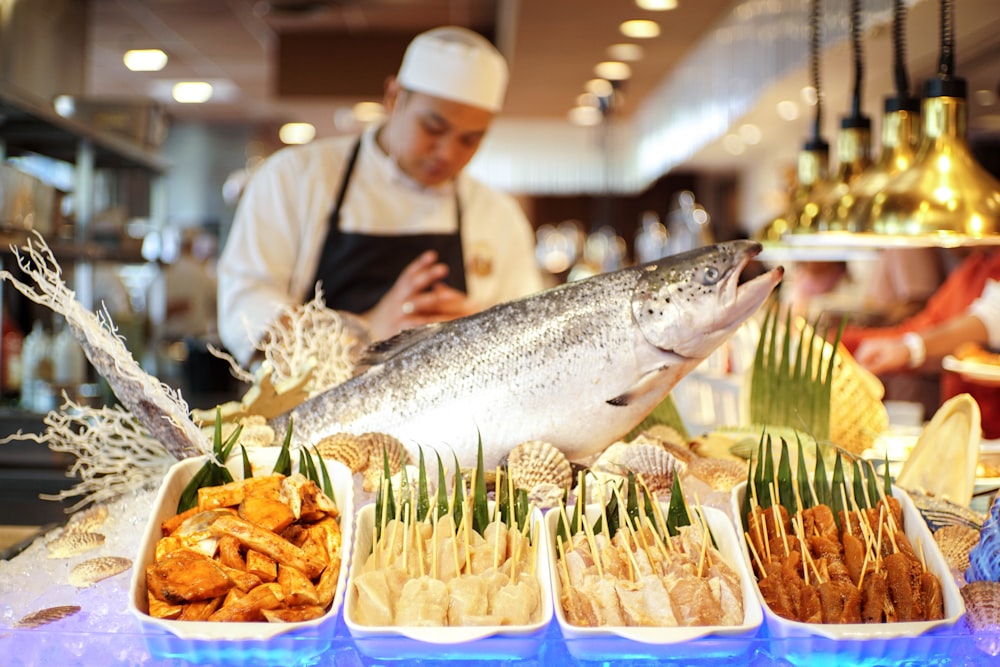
745	299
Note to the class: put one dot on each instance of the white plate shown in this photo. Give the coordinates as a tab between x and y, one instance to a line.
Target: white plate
234	643
611	642
972	369
869	640
398	642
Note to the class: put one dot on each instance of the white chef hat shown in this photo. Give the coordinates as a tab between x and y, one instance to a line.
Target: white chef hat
456	64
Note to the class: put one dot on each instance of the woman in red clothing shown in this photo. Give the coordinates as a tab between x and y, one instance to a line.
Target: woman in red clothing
965	309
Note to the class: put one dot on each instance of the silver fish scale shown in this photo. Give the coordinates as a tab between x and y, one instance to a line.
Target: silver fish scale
543	367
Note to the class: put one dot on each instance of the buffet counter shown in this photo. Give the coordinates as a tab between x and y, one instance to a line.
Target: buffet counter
103	631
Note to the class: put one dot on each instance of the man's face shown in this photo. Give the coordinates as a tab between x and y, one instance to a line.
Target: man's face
431	138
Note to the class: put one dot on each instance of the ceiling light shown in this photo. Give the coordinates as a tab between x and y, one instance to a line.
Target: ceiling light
368	112
64	105
788	110
145	60
192	92
656	5
588	100
750	134
613	70
599	87
733	144
585	116
297	133
625	51
640	29
985	97
809	96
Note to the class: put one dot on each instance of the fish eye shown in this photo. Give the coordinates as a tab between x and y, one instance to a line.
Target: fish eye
709	275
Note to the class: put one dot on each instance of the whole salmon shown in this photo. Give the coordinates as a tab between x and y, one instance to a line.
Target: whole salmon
577	365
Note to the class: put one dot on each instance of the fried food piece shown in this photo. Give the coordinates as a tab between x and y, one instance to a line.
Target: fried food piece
261	565
184	576
269	513
200	610
233	493
296	587
160	609
266	542
307	500
229	553
251	606
170	525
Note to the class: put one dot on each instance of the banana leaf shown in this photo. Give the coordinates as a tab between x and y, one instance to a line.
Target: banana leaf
838	490
611	511
480	509
423	496
458	504
821	482
632	501
283	464
802	478
665	413
442	492
247	468
786	485
677	511
327	481
860	496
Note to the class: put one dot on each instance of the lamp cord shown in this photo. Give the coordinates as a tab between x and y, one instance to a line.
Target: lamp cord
947	64
857	54
901	76
814	35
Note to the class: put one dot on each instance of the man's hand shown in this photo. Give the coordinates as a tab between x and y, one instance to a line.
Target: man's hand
418	297
883	355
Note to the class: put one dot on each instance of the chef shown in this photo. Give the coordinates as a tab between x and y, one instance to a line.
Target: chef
386	223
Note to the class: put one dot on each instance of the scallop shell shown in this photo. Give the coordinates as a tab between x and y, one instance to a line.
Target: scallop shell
652	464
44	616
982	613
381	446
73	543
347	448
666	434
955	543
938	512
720	474
87	521
91	571
538	462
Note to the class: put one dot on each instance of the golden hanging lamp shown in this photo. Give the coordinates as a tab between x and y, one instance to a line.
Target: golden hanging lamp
945	198
900	127
853	144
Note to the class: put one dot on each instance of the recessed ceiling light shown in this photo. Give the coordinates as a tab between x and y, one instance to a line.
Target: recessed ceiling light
809	96
145	60
585	116
788	110
750	134
368	112
656	5
613	70
297	133
599	87
64	105
733	144
985	97
625	51
588	100
192	92
640	29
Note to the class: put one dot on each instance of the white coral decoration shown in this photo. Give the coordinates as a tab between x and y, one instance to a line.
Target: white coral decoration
160	409
310	336
114	453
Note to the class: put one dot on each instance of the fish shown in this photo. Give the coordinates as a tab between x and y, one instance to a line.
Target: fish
578	365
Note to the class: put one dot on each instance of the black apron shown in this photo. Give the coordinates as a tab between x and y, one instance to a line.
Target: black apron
357	270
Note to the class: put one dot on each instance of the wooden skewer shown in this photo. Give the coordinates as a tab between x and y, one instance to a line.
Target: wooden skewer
779	525
434	545
562	559
753	552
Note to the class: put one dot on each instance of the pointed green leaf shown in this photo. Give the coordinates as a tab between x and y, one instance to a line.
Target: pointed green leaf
247	468
677	511
480	508
283	464
802	477
327	481
786	486
838	489
442	491
423	492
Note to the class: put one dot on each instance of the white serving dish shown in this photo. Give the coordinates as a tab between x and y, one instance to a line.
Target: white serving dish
613	642
446	642
862	642
236	643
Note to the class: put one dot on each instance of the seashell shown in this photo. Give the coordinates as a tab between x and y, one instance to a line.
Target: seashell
73	543
381	446
955	543
87	521
679	450
545	495
938	512
666	434
720	474
45	616
984	558
652	464
955	432
91	571
538	462
347	448
982	613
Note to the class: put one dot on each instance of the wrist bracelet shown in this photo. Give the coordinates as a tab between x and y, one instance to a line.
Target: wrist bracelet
918	349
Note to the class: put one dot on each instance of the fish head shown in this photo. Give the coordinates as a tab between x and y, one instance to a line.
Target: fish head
688	304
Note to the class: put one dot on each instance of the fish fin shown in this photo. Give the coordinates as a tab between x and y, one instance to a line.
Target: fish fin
382	350
646	383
